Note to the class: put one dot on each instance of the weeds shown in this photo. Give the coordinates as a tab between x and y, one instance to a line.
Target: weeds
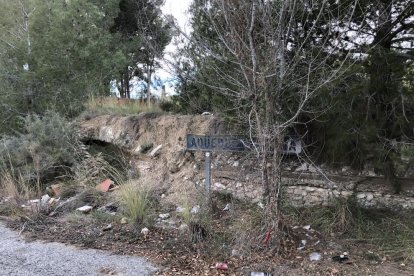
117	106
388	233
135	201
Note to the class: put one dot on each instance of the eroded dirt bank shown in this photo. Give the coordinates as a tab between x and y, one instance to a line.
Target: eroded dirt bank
177	173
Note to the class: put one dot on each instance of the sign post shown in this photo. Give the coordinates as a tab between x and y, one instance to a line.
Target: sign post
207	184
214	143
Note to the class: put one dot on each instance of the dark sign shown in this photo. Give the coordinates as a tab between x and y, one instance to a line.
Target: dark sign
217	143
292	144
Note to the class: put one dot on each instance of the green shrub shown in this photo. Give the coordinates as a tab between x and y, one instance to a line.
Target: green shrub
46	148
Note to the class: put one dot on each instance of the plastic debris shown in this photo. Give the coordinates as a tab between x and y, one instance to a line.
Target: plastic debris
164	216
227	207
306	227
179	209
315	256
195	209
145	231
260	274
341	258
222	266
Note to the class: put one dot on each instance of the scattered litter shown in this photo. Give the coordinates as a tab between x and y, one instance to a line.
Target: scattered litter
179	209
316	243
195	209
341	258
45	199
314	257
164	216
221	266
108	227
155	152
85	209
306	227
206	113
260	274
260	204
302	244
106	186
144	231
227	207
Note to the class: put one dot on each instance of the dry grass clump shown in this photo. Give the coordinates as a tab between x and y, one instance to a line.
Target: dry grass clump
118	106
135	201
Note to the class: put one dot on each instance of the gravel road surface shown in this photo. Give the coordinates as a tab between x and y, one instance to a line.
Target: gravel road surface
18	257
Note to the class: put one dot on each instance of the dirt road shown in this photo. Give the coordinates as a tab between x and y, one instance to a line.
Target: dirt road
18	257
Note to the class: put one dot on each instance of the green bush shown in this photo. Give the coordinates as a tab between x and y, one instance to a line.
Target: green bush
48	144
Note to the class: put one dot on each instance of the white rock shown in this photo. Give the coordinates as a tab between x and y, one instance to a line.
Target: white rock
164	216
155	152
205	113
303	167
312	169
227	207
219	186
236	164
361	196
370	197
85	209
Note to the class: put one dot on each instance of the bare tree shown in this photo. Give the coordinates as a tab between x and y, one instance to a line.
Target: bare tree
281	55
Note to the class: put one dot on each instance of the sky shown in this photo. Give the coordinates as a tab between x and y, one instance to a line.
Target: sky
165	74
178	9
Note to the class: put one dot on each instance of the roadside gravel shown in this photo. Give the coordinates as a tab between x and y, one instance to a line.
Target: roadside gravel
18	257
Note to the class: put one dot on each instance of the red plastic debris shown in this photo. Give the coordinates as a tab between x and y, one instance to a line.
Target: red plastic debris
222	266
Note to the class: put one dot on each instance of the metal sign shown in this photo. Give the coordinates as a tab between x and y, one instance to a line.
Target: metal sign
217	143
212	143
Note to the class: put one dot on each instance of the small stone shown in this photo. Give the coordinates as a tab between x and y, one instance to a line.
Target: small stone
227	207
85	209
361	196
370	197
183	228
303	167
124	220
312	169
219	186
179	209
108	227
236	164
